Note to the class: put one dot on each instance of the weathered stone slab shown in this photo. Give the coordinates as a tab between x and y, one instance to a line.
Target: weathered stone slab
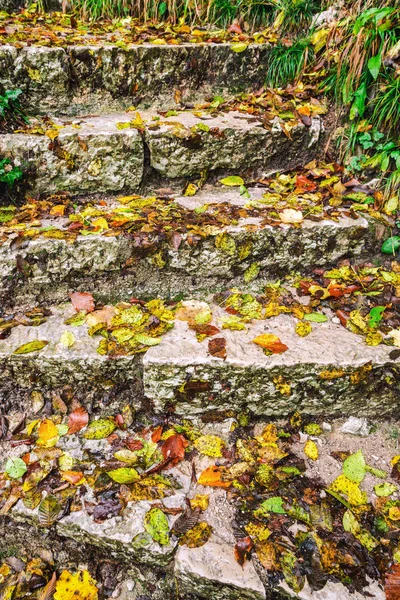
211	571
234	141
84	79
88	157
94	378
331	371
114	268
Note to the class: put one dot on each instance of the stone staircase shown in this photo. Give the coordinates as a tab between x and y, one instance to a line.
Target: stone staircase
99	153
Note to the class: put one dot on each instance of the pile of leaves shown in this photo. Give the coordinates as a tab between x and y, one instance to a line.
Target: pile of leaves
300	528
318	191
36	580
55	29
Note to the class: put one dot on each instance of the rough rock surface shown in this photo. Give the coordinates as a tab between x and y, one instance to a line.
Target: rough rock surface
83	79
90	156
115	268
331	371
234	141
56	366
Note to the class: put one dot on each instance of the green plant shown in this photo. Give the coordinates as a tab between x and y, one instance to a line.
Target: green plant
9	173
11	113
287	62
386	105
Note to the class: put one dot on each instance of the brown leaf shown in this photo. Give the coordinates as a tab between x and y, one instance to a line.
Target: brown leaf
217	347
49	589
77	420
392	583
82	301
173	449
242	549
156	435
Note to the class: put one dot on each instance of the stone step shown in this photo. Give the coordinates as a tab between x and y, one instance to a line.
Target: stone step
104	154
331	371
209	570
82	79
41	261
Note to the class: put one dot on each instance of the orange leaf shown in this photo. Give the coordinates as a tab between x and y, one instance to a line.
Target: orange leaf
156	435
392	583
212	476
47	430
270	342
174	448
73	477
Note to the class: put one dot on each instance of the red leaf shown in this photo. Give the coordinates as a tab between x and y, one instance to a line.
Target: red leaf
217	347
82	301
392	583
235	27
174	448
78	419
133	444
304	184
242	549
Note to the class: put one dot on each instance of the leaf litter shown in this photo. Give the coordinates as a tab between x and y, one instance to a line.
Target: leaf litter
300	527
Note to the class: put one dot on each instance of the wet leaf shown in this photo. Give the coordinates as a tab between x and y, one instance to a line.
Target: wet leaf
290	216
239	47
47	431
274	505
156	524
15	468
200	501
197	536
174	448
33	346
78	586
48	591
243	548
217	347
303	329
100	429
311	450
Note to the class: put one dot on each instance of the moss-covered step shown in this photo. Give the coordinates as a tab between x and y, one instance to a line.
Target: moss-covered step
85	79
189	247
106	154
75	371
86	156
331	371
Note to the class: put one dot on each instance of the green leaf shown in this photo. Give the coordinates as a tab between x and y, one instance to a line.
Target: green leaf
354	467
102	428
376	472
275	505
156	524
251	272
239	47
391	245
316	318
384	489
232	181
374	65
124	475
33	346
15	468
375	315
48	511
146	340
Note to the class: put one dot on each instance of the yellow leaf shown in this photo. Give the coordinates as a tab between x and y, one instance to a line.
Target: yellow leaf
270	342
210	445
67	339
47	431
303	328
100	223
78	586
311	450
239	47
200	501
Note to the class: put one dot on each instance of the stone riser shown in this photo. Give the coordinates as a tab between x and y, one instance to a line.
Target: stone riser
330	372
112	268
88	79
95	156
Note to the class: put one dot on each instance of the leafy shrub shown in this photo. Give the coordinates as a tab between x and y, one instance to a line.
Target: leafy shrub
11	113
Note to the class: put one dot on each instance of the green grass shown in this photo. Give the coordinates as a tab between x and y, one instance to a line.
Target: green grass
386	105
286	63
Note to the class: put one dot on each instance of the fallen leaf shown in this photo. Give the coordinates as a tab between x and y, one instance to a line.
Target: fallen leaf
311	450
270	342
67	339
15	468
212	477
82	301
217	347
77	420
78	586
33	346
156	524
100	429
173	449
232	181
